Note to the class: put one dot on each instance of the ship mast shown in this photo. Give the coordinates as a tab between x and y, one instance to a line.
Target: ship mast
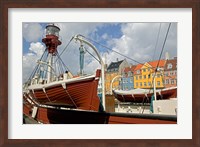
51	41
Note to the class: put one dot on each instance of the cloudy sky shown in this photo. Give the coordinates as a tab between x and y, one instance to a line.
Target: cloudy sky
140	41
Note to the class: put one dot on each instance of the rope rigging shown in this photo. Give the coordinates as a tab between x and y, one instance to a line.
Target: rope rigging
92	55
36	68
66	46
158	35
163	45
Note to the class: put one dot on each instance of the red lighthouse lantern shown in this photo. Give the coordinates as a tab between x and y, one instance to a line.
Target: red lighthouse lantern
52	38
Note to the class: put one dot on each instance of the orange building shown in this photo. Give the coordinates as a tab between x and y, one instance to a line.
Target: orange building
144	74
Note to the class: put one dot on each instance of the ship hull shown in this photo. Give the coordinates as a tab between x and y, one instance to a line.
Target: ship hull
78	94
144	97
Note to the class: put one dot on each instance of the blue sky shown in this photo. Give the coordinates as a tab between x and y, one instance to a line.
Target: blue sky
135	40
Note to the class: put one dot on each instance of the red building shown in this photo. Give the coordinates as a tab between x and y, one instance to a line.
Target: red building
170	69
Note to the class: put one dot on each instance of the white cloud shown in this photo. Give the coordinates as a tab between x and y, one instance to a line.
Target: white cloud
37	48
139	39
29	60
105	36
32	32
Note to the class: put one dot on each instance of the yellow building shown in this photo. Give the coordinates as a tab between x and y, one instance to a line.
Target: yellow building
144	75
113	70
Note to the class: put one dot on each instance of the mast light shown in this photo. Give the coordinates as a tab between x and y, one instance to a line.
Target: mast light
51	29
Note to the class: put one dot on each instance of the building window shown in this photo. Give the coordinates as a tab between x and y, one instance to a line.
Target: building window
124	80
169	66
138	71
140	83
158	83
136	84
144	70
144	76
136	77
167	81
149	76
166	74
149	83
140	77
145	84
171	73
131	80
172	81
129	74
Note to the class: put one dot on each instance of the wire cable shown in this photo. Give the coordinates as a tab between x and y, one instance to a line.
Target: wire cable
163	45
93	56
65	47
158	35
111	49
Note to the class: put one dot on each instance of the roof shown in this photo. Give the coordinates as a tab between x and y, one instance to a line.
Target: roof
127	69
152	64
133	68
155	63
138	67
173	62
114	65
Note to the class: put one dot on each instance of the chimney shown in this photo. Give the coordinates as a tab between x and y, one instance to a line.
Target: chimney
166	56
